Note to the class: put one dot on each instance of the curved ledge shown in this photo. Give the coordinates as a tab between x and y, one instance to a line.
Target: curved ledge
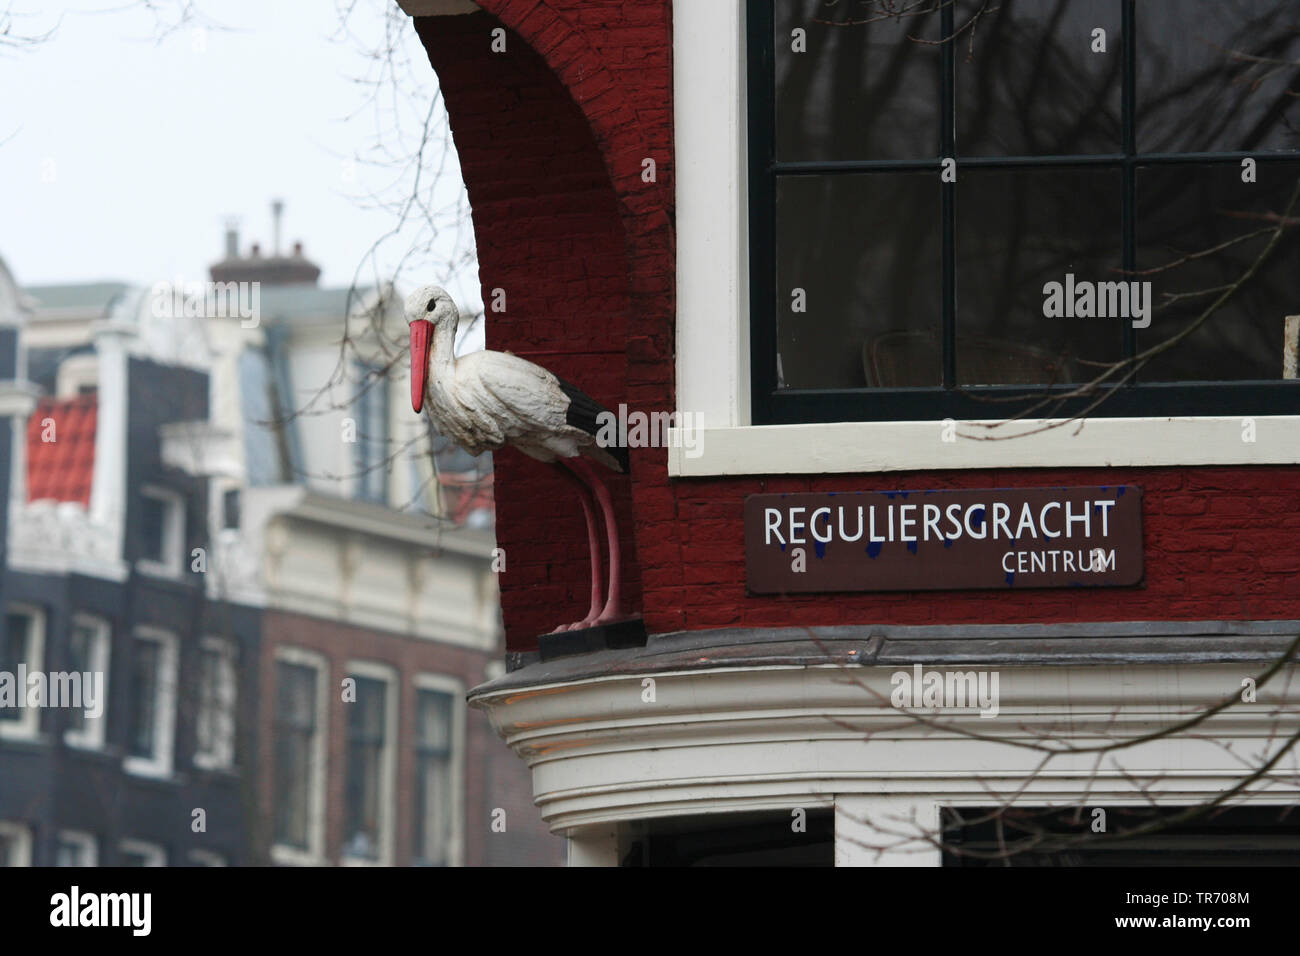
751	736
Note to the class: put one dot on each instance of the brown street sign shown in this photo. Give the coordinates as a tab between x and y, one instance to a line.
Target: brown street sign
939	540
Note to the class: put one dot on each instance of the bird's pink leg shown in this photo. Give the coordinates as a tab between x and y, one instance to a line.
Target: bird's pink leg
613	610
593	544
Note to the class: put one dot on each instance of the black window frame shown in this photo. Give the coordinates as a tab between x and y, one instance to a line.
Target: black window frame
771	405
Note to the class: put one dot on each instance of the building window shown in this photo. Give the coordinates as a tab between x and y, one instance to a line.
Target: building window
299	742
140	853
1139	836
89	641
435	794
75	848
230	510
881	290
368	780
151	719
15	844
215	725
371	409
21	646
162	532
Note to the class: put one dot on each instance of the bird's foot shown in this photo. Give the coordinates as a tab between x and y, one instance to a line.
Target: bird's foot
575	626
611	617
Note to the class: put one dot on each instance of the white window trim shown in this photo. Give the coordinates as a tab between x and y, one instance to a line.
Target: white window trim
20	837
87	842
228	689
713	382
74	372
173	544
314	855
28	724
160	765
154	854
450	685
387	762
91	736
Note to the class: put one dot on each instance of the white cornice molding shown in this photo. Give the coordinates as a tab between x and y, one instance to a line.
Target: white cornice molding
412	529
371	567
50	537
776	737
201	448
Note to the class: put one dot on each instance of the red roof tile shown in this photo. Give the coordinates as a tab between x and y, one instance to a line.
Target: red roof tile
61	468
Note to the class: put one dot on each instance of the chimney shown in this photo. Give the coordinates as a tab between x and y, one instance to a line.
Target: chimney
277	210
279	267
232	238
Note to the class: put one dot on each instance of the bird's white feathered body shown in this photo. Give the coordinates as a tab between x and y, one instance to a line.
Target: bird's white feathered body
495	399
486	400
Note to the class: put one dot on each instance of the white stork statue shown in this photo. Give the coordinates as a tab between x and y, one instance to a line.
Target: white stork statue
485	400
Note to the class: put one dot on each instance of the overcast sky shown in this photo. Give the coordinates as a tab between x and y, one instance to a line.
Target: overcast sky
122	154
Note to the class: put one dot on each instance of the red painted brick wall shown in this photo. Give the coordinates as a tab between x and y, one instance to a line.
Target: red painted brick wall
551	142
551	234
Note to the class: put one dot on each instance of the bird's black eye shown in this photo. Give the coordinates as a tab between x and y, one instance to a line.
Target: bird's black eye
429	307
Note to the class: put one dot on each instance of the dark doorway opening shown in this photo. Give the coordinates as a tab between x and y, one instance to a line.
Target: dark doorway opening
780	838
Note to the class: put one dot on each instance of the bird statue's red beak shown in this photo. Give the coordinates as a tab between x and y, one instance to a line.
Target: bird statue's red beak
421	332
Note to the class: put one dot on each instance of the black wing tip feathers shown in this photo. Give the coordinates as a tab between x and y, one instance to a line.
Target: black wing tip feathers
584	414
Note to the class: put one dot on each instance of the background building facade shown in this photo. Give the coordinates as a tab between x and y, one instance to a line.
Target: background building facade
286	623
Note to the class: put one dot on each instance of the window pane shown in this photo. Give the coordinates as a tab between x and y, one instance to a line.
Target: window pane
372	435
15	648
264	431
1185	210
1017	231
434	720
230	509
862	89
1216	75
144	698
864	249
364	770
295	727
71	852
215	725
1028	82
153	512
80	641
433	796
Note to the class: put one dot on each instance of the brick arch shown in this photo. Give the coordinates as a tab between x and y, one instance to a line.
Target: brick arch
548	143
